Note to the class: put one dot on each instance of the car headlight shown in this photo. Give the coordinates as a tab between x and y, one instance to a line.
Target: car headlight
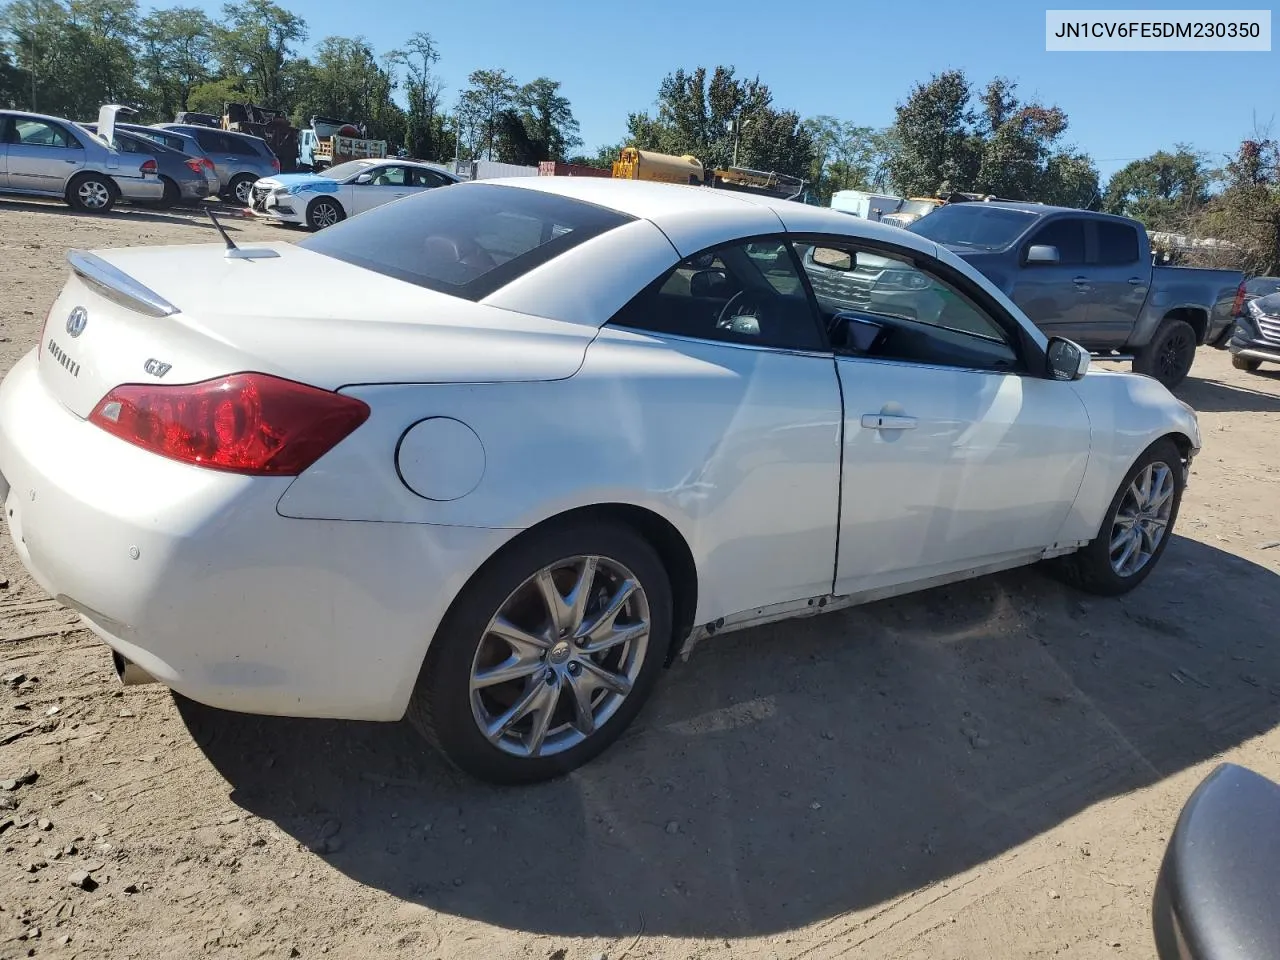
279	192
901	280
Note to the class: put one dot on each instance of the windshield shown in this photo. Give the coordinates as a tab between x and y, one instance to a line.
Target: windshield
917	207
976	225
469	240
1262	286
344	170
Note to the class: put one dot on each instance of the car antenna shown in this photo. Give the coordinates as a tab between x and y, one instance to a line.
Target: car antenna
234	252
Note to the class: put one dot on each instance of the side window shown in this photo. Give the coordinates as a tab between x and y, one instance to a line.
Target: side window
1117	243
889	307
427	178
126	144
1067	234
390	177
37	133
212	141
737	293
240	147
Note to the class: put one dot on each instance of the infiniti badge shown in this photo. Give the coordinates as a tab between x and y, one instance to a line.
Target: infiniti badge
76	321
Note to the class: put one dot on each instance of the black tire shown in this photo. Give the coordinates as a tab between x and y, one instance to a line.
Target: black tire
172	195
1245	363
316	218
1089	568
238	190
441	709
101	188
1170	354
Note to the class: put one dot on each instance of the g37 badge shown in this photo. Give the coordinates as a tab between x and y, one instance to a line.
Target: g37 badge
157	368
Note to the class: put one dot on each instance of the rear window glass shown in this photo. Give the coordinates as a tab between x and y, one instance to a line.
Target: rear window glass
467	240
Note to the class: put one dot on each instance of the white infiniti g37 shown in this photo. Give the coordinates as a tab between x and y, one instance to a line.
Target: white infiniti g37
492	456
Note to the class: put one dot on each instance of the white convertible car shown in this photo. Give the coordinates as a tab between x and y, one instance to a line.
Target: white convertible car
492	456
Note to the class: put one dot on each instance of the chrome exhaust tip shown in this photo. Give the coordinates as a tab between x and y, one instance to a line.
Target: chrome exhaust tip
130	674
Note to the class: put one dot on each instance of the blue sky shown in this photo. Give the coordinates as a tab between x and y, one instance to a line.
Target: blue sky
852	60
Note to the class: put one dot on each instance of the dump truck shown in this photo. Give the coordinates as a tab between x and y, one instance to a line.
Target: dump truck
328	142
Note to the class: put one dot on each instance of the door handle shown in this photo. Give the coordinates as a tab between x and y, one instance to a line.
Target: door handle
1136	281
883	421
1079	279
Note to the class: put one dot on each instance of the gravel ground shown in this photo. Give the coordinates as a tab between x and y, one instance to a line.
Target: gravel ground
985	771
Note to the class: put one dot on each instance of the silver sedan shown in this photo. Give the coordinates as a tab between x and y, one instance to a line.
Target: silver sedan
47	157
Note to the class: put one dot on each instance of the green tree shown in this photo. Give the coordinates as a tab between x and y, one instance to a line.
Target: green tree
704	115
176	57
424	132
346	81
1246	211
110	31
948	138
1164	190
254	46
934	134
846	156
490	94
548	118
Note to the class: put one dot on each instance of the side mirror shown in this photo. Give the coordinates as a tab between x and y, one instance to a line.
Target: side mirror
1042	253
1217	896
365	178
1066	360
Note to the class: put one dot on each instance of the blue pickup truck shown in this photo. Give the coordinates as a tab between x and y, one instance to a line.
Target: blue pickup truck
1090	277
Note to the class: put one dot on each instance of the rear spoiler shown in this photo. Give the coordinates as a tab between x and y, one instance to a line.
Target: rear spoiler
117	286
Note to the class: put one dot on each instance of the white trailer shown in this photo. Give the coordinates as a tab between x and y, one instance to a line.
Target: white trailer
868	206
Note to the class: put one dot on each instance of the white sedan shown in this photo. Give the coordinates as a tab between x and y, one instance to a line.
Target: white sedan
319	200
494	455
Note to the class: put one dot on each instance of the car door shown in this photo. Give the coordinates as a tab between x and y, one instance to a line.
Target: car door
1056	296
1119	280
4	150
956	454
43	155
389	182
217	147
729	366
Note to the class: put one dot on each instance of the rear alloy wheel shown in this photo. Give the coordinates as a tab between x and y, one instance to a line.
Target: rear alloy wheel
1245	363
547	655
324	212
92	193
241	190
1137	526
1169	355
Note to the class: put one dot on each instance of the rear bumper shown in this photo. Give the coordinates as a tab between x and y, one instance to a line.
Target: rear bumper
195	189
194	576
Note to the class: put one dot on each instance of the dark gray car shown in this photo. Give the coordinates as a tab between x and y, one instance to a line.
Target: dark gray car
185	180
239	159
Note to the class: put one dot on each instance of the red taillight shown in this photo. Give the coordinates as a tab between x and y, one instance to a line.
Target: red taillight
206	162
196	166
275	164
1237	307
149	166
244	423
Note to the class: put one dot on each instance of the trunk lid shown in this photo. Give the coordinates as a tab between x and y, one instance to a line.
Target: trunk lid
182	314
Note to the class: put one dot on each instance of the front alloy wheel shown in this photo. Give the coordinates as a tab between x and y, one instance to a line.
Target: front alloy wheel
1142	519
547	654
560	657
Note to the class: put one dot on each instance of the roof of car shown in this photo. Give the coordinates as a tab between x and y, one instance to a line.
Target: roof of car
659	202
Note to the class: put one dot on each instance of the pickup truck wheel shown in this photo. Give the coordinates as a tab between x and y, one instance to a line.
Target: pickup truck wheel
1135	529
1169	355
1244	363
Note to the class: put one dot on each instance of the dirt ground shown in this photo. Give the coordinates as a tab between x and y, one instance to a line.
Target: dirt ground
985	771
